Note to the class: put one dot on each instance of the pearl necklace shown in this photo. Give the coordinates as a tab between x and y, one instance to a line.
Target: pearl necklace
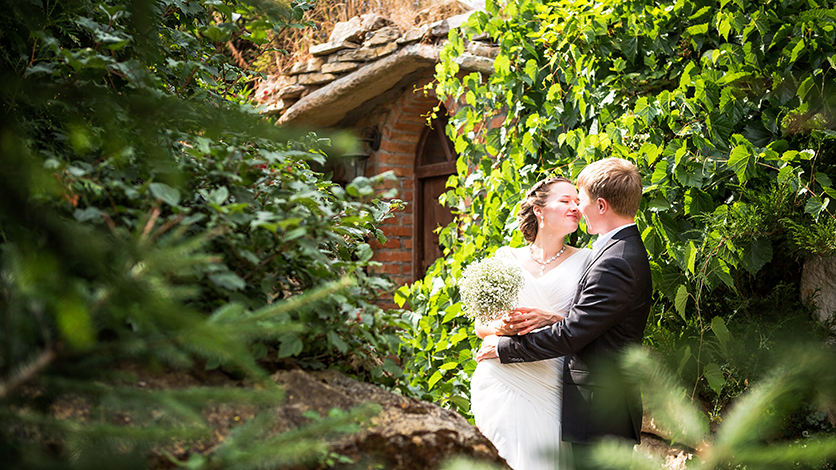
544	263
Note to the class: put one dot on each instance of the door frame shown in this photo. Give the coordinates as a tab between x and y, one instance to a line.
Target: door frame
421	173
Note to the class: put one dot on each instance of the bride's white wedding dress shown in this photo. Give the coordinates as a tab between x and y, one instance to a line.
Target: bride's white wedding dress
517	406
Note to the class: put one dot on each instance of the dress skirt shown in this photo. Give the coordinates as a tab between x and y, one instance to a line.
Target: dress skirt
517	407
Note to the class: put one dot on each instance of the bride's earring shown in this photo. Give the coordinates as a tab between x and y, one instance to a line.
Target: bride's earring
542	224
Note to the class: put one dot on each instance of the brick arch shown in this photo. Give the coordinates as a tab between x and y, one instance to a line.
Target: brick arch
401	130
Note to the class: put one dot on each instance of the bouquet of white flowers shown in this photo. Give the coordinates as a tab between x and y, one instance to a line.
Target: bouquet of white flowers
490	287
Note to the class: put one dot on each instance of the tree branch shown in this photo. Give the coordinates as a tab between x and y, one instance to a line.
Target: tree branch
27	372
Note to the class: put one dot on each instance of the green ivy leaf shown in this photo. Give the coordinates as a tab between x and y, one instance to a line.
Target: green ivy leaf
718	326
691	254
433	380
166	193
218	196
690	175
685	355
742	162
714	375
228	280
660	172
449	366
401	295
335	340
815	206
721	269
756	254
798	49
461	402
659	205
452	312
681	301
697	29
629	47
364	252
290	345
698	202
392	367
652	242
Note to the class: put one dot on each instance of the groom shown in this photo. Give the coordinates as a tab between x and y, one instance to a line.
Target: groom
609	313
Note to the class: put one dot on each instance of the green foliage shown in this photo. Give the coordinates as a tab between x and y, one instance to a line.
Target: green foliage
149	215
749	435
725	107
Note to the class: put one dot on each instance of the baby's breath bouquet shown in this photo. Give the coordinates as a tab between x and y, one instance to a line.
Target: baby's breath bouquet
490	287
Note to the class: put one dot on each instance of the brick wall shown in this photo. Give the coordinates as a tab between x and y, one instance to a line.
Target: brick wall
401	129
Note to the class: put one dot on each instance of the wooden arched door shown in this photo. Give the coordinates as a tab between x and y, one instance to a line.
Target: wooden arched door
435	161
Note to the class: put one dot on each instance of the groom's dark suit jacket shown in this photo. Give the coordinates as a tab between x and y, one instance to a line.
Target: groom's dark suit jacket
609	313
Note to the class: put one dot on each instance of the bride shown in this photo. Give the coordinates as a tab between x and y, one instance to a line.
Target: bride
517	406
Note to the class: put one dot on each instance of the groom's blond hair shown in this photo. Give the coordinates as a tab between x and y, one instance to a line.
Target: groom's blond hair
615	180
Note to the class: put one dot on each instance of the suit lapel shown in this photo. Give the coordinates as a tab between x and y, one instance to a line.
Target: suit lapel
620	235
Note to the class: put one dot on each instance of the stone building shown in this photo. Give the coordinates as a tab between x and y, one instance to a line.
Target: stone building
369	79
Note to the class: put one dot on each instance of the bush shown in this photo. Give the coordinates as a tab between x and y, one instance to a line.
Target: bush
149	215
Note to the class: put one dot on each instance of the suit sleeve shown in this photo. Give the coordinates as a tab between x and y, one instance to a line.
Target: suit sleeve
609	286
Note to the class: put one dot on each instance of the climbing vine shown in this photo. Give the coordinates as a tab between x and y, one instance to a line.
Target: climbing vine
727	109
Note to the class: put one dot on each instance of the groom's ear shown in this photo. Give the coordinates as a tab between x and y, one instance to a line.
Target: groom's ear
603	205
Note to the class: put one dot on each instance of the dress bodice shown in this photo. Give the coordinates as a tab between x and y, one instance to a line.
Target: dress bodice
556	289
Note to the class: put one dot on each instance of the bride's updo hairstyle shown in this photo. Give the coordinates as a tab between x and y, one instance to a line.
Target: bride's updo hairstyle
535	197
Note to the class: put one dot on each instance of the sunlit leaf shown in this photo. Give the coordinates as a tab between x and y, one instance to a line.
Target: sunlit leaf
681	300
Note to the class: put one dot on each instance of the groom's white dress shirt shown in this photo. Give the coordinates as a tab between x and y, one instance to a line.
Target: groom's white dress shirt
603	239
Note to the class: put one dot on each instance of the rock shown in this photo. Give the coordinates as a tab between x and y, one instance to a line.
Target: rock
316	78
454	22
407	434
649	426
414	34
277	106
383	36
356	28
350	30
673	457
469	61
482	49
441	9
339	67
364	54
333	102
439	28
818	282
474	4
269	88
483	36
373	22
292	91
308	66
331	47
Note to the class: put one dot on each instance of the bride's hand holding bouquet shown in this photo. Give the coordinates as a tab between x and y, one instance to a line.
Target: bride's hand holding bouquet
489	290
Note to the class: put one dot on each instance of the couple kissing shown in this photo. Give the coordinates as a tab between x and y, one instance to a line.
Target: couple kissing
545	388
